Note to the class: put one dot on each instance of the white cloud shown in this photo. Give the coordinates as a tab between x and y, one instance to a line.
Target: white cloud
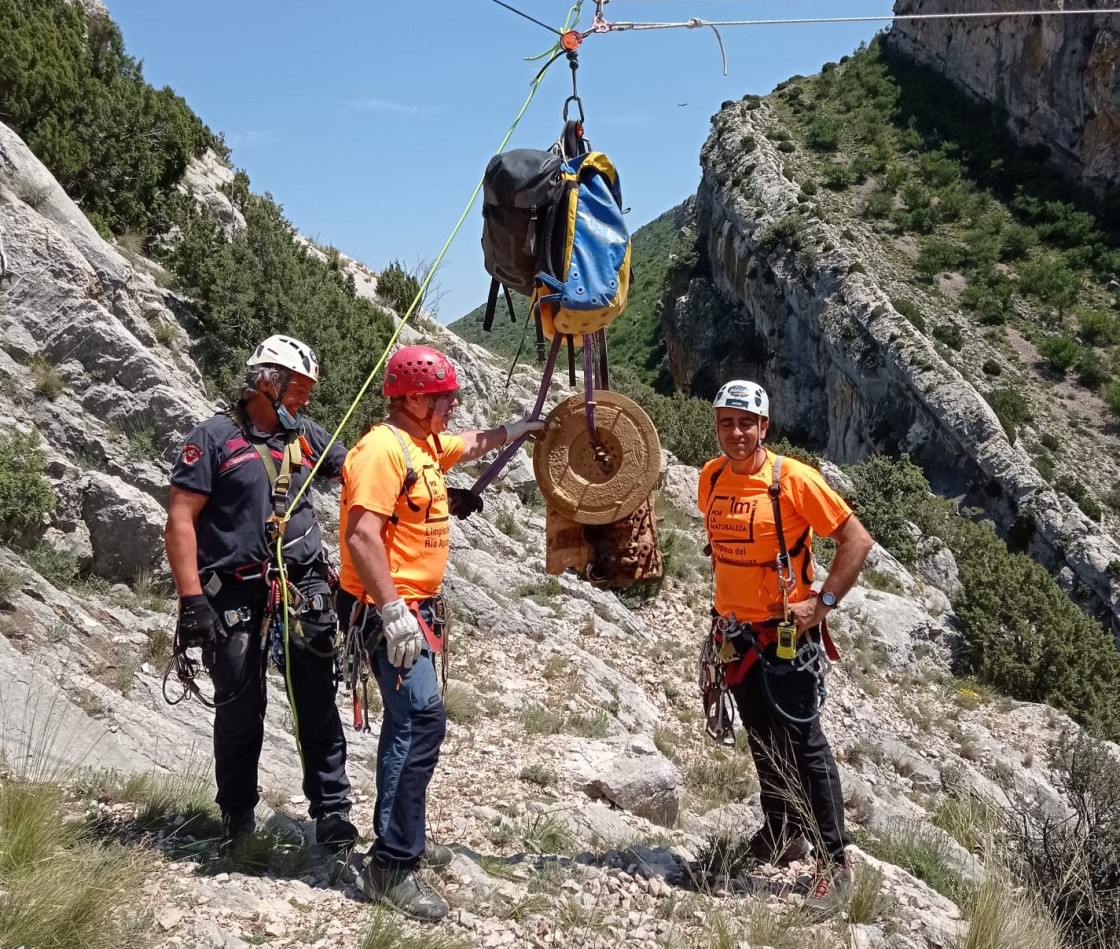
387	107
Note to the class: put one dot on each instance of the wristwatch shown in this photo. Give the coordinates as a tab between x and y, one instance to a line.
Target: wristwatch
828	598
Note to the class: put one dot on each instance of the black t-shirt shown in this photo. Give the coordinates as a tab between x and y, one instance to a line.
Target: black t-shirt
219	461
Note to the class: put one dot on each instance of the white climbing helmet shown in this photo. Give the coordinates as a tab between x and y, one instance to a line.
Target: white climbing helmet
289	353
745	395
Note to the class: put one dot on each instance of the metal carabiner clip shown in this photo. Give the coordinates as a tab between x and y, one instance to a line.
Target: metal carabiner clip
579	102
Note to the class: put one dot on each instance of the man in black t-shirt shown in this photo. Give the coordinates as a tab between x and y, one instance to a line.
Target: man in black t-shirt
219	553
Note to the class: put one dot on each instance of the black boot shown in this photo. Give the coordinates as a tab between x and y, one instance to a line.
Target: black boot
237	827
334	830
404	890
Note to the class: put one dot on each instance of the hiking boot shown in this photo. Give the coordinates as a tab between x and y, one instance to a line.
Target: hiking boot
334	830
764	849
237	827
404	890
831	890
436	856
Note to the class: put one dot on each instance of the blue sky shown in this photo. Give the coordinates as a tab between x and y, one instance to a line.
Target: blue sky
372	122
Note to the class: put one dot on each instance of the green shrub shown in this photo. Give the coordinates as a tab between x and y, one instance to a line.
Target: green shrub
684	423
397	287
1016	241
1112	499
909	309
878	205
950	335
1092	372
25	492
1079	494
1098	328
886	495
837	177
1112	397
46	381
991	368
937	255
117	145
1051	280
990	296
1011	409
260	282
824	134
1073	862
1060	351
787	230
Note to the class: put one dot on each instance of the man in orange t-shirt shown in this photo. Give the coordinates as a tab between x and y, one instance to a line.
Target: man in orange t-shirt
395	539
800	784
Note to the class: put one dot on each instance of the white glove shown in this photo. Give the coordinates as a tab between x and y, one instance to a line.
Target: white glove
403	635
527	426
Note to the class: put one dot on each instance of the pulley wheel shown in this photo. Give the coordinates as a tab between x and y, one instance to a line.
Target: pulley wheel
600	481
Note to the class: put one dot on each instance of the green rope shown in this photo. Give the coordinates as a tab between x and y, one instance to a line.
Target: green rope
533	86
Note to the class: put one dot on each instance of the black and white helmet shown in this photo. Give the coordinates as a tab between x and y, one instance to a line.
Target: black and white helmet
745	395
287	352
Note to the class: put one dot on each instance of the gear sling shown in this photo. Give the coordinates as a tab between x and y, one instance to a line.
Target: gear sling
358	651
732	647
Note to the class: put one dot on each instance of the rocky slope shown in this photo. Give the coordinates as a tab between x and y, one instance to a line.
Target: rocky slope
575	779
1056	77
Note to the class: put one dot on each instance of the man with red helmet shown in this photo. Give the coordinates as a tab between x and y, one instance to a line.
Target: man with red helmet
395	539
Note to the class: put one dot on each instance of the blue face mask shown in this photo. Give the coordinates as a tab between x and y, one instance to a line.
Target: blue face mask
287	420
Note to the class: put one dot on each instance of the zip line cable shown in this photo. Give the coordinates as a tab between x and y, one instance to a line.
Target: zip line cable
696	22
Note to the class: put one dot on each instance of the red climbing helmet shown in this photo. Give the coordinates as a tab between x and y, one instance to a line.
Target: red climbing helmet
417	369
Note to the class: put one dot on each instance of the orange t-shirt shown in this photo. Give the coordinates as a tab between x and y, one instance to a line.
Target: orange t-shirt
419	543
739	519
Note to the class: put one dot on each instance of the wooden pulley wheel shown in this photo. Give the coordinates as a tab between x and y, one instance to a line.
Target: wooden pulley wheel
600	480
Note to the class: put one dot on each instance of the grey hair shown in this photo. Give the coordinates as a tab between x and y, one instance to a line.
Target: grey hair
256	376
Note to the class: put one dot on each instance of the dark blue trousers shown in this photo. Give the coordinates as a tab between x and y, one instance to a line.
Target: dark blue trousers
236	667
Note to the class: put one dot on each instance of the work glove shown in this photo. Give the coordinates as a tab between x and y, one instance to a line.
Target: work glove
463	502
526	426
197	624
403	635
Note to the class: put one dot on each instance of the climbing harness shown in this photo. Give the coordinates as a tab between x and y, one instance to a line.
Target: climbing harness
742	644
359	646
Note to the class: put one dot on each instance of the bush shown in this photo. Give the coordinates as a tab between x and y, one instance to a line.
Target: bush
950	335
1011	409
1098	328
836	177
990	296
1051	280
1079	494
937	255
1092	373
25	492
117	145
824	134
1023	635
909	309
886	495
878	205
1073	862
397	287
787	230
1112	397
991	367
262	282
1060	351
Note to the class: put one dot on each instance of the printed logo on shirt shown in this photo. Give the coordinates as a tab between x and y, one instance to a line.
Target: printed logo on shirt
191	454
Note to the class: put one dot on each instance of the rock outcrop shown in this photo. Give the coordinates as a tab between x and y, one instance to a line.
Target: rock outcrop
1057	77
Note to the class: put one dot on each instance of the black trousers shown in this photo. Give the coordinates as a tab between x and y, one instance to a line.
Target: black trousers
797	774
237	669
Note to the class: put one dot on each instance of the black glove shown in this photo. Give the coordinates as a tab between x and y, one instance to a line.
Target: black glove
462	502
197	624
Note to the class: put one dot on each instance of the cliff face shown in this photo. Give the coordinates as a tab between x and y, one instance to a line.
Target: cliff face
1058	77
